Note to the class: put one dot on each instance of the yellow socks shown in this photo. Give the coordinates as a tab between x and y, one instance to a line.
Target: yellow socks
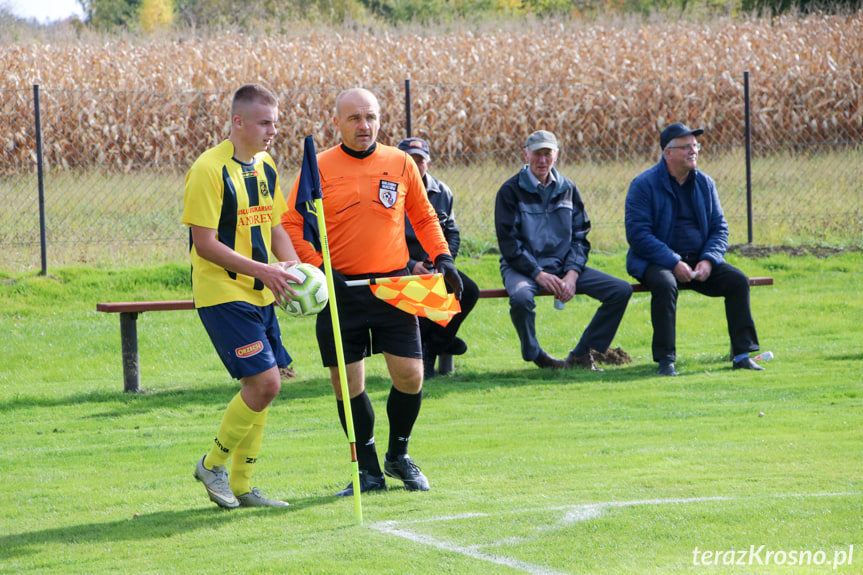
236	424
245	456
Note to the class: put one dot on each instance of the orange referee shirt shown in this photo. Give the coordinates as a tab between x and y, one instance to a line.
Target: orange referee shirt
365	202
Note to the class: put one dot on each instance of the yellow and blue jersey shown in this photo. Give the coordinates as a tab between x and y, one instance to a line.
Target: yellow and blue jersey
242	202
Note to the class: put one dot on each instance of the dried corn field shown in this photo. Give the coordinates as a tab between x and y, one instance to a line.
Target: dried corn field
474	93
125	111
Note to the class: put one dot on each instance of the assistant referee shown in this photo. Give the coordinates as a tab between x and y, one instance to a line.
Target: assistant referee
367	190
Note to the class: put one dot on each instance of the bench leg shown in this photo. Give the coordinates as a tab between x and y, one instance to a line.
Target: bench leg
445	364
129	342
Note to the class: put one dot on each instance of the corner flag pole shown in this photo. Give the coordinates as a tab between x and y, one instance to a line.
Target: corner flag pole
310	161
340	354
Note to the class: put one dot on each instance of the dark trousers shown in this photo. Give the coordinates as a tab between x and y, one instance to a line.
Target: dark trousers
725	281
614	294
435	336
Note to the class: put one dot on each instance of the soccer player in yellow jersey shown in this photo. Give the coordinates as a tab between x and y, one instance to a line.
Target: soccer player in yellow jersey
367	190
233	206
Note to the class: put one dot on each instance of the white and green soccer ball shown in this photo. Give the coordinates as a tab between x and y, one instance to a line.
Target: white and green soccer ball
312	295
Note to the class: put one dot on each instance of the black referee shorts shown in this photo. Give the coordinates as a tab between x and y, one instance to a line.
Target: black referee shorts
368	325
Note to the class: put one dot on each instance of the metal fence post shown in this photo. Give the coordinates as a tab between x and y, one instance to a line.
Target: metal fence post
40	178
748	132
408	107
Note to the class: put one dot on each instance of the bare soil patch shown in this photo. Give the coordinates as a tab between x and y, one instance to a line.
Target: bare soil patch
756	251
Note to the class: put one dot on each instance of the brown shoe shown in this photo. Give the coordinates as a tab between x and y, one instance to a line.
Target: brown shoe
287	373
584	361
545	361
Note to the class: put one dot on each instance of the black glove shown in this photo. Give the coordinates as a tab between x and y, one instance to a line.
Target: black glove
446	265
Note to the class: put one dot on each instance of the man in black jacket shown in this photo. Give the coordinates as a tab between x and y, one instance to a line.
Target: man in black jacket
436	338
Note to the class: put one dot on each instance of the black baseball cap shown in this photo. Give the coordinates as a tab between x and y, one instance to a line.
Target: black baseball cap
416	146
676	130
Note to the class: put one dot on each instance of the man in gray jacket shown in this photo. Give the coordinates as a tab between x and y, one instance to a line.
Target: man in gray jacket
678	234
542	232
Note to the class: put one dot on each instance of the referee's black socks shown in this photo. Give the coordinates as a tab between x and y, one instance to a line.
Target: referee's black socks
402	410
364	431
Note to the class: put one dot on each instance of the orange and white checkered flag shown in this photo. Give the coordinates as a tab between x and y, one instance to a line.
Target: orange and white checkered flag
423	295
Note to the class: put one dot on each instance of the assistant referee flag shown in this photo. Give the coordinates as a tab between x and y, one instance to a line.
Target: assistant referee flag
422	295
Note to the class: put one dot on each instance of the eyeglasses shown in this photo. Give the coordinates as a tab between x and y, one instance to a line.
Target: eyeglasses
693	147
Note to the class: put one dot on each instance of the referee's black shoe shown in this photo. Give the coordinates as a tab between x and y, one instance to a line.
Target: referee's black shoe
405	469
367	483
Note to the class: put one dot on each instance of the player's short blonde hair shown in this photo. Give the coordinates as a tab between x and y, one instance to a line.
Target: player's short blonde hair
252	94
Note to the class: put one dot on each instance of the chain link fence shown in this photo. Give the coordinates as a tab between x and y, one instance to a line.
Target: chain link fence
114	161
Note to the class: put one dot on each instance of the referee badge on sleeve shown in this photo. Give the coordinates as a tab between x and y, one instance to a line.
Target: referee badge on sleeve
388	193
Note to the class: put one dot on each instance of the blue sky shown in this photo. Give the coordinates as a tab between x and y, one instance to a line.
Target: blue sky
44	10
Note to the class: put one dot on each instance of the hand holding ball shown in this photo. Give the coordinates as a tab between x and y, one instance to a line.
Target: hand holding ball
312	295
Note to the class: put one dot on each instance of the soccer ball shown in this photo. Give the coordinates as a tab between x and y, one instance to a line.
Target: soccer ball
312	293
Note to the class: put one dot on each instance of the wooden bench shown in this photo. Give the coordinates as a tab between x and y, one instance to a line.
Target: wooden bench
129	332
445	361
129	326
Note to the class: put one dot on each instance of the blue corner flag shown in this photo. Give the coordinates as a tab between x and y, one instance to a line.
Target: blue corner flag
308	190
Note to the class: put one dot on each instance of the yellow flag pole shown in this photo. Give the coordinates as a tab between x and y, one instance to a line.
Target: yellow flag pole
340	354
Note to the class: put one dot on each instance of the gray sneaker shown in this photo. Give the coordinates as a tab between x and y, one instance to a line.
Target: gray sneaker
256	498
216	483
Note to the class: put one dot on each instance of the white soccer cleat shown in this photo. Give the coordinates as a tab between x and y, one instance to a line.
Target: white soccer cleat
256	498
217	485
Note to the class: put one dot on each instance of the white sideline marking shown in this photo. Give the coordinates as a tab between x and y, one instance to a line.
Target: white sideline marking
573	514
389	527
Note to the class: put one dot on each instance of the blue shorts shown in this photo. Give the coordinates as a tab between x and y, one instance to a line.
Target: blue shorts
246	337
368	325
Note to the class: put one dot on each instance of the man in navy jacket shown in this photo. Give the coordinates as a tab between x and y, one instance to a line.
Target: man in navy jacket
678	234
542	229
